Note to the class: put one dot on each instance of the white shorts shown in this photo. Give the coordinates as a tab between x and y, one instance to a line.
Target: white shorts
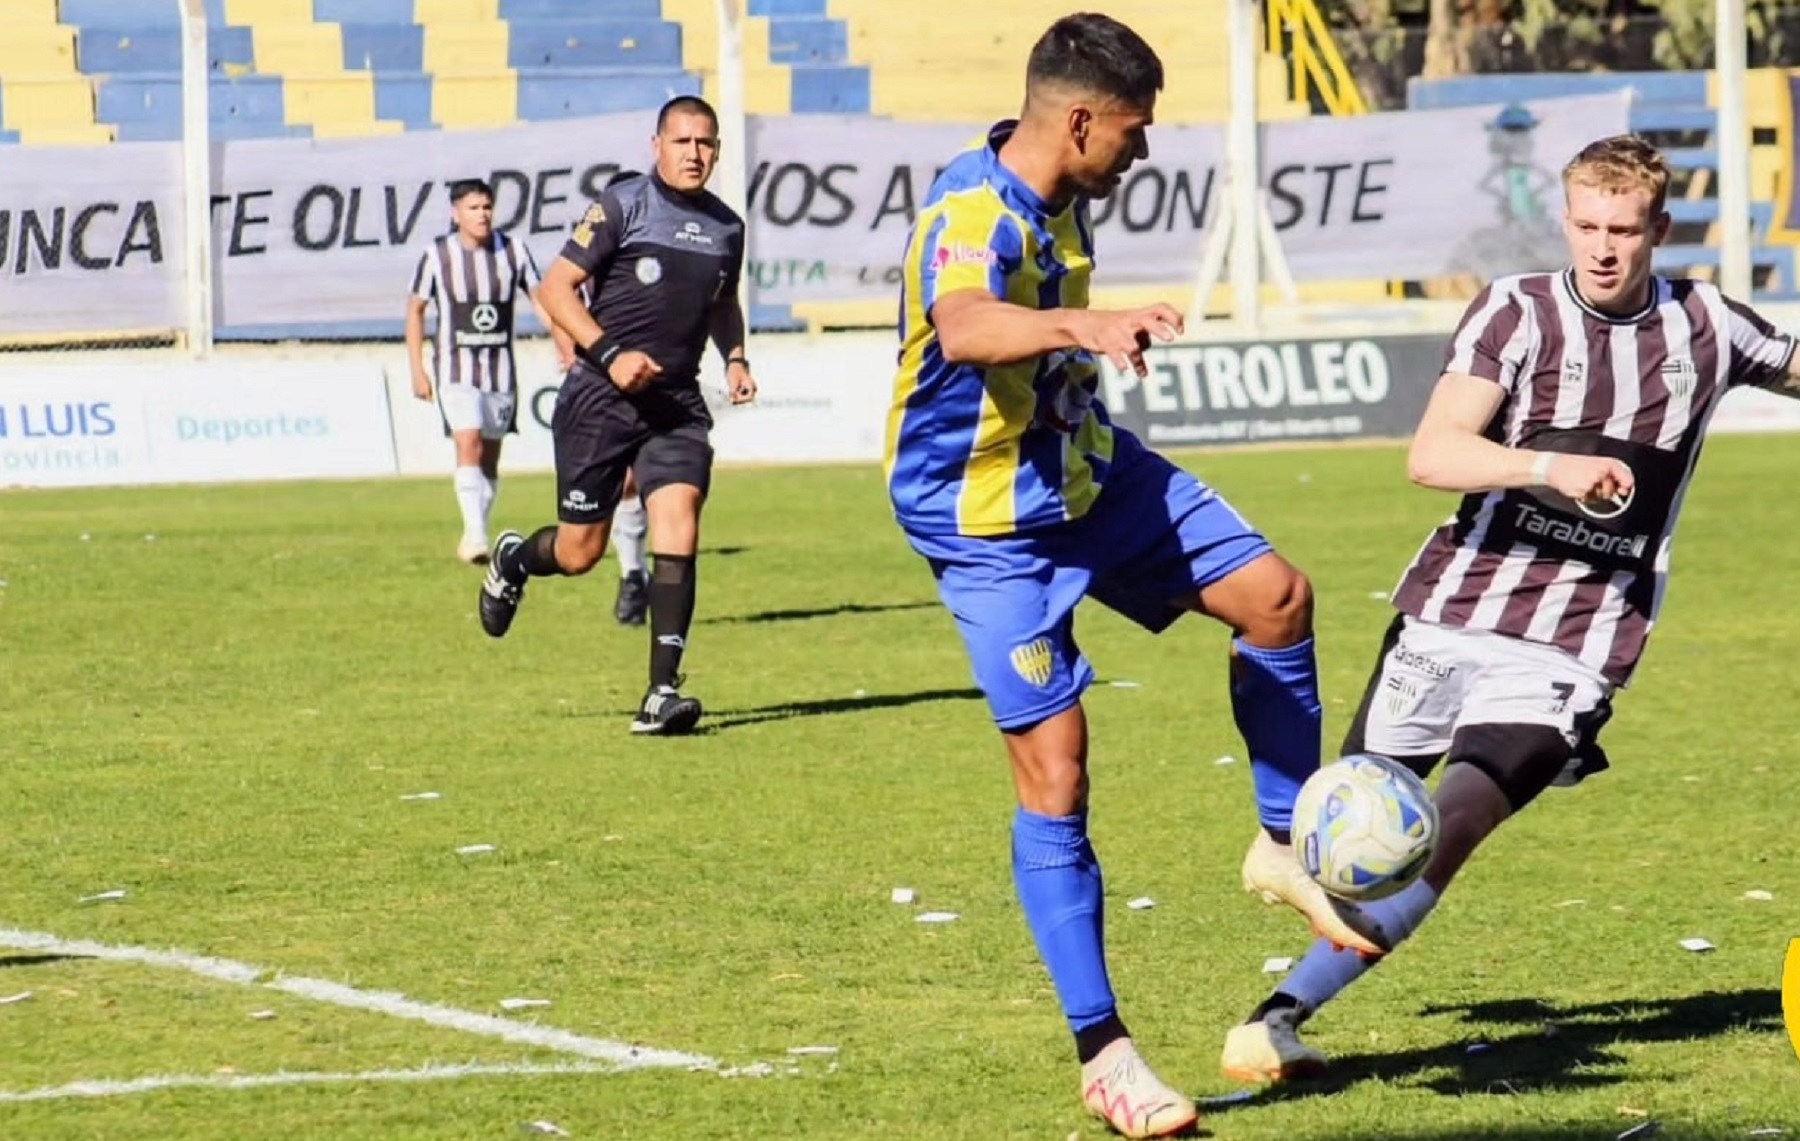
1437	679
469	409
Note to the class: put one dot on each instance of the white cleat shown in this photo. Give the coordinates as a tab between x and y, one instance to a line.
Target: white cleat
1270	1050
1119	1088
1274	872
475	554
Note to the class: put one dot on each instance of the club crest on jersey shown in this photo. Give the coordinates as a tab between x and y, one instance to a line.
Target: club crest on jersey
1680	376
1574	372
1033	662
649	270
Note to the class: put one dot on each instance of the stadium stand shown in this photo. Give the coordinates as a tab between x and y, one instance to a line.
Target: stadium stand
1675	110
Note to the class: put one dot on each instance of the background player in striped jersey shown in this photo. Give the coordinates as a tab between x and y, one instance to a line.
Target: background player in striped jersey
1570	415
473	276
1008	477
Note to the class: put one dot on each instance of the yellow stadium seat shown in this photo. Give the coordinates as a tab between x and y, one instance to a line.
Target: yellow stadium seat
303	48
38	48
466	47
46	101
475	100
768	90
249	13
429	12
72	135
699	32
20	13
346	100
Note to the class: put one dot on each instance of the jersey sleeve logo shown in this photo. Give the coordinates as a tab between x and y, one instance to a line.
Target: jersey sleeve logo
961	253
584	230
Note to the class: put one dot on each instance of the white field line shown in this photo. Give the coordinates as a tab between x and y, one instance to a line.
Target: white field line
618	1055
101	1088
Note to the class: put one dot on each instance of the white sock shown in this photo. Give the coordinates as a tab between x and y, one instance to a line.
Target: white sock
1325	970
469	489
490	489
629	526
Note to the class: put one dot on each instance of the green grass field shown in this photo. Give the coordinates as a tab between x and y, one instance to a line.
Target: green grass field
215	699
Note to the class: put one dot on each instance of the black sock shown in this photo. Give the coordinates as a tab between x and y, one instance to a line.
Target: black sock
1090	1040
1280	1000
534	558
671	611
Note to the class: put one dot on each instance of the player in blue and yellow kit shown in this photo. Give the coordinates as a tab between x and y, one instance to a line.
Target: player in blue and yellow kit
1007	476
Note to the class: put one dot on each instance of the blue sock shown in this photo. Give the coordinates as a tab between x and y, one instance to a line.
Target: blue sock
1275	698
1058	879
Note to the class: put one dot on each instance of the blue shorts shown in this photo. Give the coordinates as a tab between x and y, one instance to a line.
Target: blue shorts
1154	537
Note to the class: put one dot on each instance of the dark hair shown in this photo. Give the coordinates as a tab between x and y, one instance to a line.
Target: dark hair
621	176
1098	55
463	187
691	104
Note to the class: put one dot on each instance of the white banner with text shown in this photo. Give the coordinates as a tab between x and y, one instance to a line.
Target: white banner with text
325	232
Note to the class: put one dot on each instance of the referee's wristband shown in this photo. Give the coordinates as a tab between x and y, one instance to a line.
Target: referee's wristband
602	353
729	361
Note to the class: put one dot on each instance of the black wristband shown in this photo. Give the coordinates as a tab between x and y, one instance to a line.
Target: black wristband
602	352
745	361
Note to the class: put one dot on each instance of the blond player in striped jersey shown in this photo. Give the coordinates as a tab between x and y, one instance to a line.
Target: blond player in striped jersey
1569	417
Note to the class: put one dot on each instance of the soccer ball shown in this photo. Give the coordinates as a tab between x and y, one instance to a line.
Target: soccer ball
1364	827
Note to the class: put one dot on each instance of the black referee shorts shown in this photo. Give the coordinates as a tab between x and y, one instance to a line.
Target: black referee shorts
598	435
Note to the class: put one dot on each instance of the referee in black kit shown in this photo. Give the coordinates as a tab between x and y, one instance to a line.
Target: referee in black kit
665	256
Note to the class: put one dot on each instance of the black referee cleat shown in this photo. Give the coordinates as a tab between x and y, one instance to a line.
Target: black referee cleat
500	598
666	713
634	599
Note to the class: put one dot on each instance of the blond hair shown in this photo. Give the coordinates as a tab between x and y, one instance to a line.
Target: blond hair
1620	165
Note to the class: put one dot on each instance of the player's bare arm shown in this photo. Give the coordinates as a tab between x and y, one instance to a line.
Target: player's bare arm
630	369
565	344
726	328
1450	453
415	347
975	327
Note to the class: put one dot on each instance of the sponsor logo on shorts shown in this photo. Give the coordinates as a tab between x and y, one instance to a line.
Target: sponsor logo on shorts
1413	660
578	503
1033	661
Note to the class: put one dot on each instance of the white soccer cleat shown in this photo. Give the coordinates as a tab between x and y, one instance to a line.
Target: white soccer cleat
1270	1050
1119	1088
475	554
1274	872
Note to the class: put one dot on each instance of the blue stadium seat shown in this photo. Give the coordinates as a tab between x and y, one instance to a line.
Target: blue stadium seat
383	47
594	44
157	98
363	11
787	8
830	90
406	98
569	94
118	14
8	136
1680	87
112	51
808	40
590	10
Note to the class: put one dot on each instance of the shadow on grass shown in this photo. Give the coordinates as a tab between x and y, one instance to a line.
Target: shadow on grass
8	961
1531	1046
816	612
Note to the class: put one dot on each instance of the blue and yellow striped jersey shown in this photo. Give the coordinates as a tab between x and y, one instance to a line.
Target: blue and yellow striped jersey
993	451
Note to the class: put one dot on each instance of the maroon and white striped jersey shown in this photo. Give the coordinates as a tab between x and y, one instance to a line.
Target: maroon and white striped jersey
1532	564
476	292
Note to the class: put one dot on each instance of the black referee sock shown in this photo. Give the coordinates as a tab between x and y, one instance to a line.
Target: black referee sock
534	558
671	611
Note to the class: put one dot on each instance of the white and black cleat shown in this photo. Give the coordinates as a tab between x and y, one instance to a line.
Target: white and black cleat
499	598
666	713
